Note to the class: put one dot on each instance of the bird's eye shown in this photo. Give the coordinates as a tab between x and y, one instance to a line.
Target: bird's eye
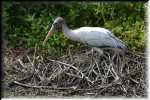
55	25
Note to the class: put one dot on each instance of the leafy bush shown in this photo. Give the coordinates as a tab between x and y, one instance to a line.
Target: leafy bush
27	24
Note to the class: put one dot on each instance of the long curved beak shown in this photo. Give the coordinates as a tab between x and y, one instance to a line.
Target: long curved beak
51	31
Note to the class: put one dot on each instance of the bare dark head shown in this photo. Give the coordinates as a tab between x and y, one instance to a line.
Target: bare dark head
59	20
58	23
56	26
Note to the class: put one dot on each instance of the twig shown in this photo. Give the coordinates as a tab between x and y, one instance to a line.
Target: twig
107	86
134	80
40	87
73	75
21	63
79	71
18	69
34	57
123	88
70	55
91	70
68	66
59	88
53	76
30	61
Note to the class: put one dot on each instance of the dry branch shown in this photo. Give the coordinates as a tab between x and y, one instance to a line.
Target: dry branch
77	73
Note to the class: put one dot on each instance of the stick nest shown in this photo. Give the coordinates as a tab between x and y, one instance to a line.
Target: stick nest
78	74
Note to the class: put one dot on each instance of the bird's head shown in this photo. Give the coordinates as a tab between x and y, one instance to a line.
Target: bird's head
58	23
56	26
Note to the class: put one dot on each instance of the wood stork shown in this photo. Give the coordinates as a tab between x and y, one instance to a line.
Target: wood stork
95	37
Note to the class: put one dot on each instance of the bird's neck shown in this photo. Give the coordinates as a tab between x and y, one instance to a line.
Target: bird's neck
65	29
68	33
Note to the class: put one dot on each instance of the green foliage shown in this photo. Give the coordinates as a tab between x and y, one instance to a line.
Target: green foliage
27	23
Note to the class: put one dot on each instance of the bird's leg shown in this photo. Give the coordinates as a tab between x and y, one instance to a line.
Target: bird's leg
115	63
100	52
115	74
118	51
92	54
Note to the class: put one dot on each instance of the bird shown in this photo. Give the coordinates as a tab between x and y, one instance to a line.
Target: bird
95	37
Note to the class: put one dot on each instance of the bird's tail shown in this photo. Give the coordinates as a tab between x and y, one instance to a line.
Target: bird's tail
122	47
119	44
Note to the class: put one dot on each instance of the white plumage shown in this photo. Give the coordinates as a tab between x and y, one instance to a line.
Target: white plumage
93	36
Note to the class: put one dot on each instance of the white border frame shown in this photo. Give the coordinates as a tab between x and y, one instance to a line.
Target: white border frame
91	98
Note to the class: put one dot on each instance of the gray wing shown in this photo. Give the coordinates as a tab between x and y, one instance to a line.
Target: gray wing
120	44
105	40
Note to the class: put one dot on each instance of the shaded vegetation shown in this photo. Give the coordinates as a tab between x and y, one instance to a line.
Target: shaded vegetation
26	23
